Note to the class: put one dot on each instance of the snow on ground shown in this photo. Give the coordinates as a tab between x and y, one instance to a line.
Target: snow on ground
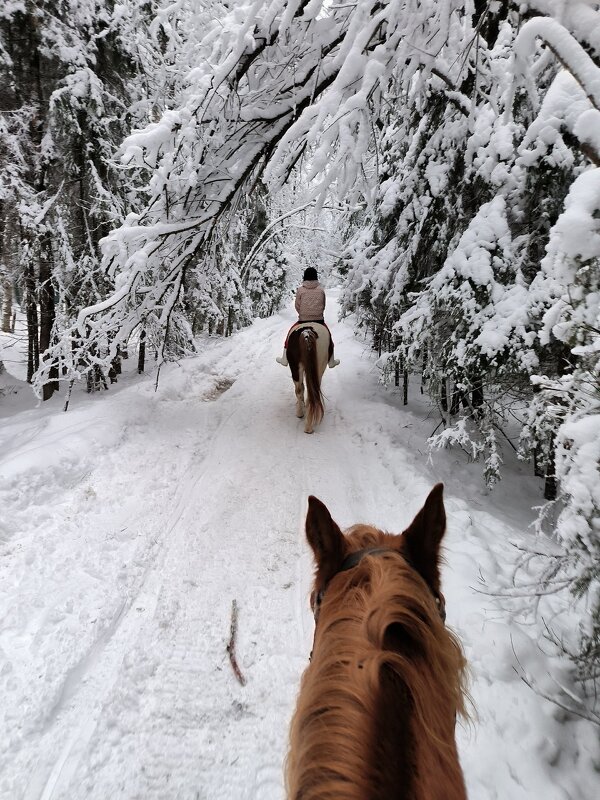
129	525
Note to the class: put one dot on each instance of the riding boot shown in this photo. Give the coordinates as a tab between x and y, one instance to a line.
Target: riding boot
333	362
282	359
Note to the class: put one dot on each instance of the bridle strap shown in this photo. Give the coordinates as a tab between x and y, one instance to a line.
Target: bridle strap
354	559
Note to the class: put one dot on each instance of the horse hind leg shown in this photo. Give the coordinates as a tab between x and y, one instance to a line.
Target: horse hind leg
299	390
309	422
309	419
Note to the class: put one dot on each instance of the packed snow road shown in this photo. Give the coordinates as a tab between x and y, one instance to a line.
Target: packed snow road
128	527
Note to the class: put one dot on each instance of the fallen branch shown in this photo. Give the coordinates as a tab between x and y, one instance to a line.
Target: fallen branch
231	645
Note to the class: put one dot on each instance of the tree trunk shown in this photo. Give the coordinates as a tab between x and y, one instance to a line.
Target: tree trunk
550	484
379	340
33	350
477	393
96	380
7	306
47	315
444	395
538	469
142	353
115	366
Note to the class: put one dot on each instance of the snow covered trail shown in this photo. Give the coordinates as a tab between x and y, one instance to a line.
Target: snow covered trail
131	523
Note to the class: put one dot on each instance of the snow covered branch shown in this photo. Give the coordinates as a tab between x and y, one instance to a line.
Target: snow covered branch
240	117
567	50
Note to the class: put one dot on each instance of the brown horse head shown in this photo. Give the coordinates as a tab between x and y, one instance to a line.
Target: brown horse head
376	712
420	542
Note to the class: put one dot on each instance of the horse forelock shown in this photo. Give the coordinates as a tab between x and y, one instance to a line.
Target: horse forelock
380	645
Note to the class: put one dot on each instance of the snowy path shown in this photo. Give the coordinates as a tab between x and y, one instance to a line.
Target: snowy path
130	524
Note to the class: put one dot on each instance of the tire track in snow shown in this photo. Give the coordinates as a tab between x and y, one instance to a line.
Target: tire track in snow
174	751
87	684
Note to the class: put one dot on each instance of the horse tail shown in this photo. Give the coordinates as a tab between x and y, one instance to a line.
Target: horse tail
308	350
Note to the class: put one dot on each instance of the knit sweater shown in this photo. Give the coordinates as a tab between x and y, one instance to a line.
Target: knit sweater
310	301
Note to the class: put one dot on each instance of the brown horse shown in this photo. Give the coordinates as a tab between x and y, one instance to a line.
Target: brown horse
378	703
308	354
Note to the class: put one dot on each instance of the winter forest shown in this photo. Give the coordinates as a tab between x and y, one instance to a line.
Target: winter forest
168	169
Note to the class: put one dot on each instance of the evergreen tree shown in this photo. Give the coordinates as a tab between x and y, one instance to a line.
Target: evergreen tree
67	92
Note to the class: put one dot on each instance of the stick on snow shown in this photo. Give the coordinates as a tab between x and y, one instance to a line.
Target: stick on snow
231	645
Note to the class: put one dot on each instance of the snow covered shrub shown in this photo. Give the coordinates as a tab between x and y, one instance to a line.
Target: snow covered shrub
473	326
472	177
263	264
215	298
225	290
567	407
445	164
406	233
266	280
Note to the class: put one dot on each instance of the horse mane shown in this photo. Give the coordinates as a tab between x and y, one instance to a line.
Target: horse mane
376	713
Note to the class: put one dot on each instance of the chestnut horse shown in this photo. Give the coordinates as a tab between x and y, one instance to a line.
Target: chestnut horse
308	354
377	707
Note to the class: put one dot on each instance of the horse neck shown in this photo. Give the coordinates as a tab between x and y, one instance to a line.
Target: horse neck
364	728
331	730
419	692
412	764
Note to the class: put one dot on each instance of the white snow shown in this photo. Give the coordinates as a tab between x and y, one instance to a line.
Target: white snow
131	523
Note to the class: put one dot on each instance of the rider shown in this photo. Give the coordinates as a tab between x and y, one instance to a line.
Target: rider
310	305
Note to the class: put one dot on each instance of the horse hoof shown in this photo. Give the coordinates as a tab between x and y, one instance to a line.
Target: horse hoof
300	415
310	431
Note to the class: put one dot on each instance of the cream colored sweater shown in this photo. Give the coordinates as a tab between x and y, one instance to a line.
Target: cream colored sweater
310	301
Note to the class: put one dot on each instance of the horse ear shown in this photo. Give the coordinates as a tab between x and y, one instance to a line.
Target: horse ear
326	539
422	539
